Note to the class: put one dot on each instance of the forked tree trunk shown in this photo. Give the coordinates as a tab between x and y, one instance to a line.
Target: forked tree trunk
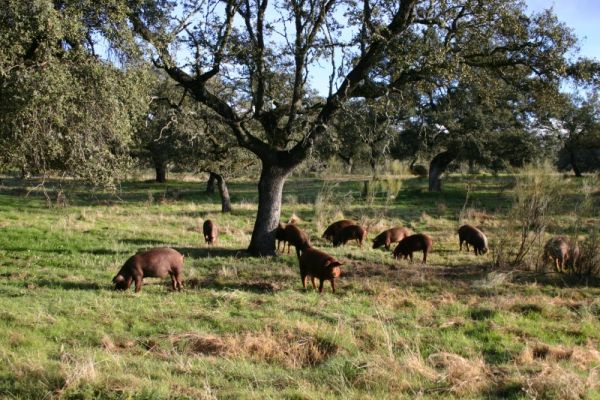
270	188
437	167
161	172
210	184
224	192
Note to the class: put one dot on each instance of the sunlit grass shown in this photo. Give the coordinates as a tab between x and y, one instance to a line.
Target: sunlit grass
244	328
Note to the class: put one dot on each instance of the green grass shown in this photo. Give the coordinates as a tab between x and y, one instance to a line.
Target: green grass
244	328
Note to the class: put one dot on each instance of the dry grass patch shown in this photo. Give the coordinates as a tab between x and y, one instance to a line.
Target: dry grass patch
462	375
293	349
555	382
583	357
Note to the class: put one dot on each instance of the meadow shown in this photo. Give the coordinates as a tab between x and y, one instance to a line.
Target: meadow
243	327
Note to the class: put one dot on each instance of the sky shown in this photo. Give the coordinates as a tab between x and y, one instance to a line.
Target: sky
583	16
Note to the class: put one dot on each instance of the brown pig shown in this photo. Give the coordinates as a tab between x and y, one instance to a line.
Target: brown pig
410	244
210	231
393	235
292	235
333	229
472	236
318	264
154	263
350	232
562	252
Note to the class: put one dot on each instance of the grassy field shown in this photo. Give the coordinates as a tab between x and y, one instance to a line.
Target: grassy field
244	328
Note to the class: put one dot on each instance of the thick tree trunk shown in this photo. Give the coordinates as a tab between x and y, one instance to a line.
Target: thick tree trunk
270	188
224	192
210	184
573	162
161	172
437	167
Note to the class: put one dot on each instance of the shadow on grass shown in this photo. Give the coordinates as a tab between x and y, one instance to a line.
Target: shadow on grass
205	252
259	286
66	285
97	252
143	242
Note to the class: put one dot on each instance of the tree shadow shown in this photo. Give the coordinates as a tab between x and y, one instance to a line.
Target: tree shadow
67	285
258	286
206	252
143	242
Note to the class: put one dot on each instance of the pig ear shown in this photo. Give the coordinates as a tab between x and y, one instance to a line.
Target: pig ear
335	264
118	278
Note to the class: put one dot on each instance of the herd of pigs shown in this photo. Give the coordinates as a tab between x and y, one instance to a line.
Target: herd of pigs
317	264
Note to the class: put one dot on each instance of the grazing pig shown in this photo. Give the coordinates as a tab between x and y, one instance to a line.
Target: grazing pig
210	231
350	232
412	243
155	263
292	235
472	236
393	235
562	252
318	264
333	229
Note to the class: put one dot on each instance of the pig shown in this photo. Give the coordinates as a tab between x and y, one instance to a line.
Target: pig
472	236
350	232
210	231
409	244
318	264
293	235
393	235
333	229
157	263
562	252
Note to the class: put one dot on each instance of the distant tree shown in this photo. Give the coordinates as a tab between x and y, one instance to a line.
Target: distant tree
578	130
62	109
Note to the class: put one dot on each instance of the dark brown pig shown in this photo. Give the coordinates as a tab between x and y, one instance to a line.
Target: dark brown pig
410	244
154	263
292	235
210	231
350	232
318	264
333	229
472	236
562	252
393	235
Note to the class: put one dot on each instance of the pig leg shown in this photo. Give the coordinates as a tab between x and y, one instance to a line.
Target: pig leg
138	284
460	242
304	281
320	285
410	255
424	256
332	285
312	279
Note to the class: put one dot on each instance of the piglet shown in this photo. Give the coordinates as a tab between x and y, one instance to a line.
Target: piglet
210	231
413	243
154	263
318	264
393	235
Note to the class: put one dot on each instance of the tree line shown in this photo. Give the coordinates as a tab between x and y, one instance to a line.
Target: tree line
92	89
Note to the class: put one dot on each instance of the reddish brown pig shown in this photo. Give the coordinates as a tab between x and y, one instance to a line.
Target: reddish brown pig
350	232
472	236
292	235
210	231
154	263
318	264
393	235
562	252
333	229
410	244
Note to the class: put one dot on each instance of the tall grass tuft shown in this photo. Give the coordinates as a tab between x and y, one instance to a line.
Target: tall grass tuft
537	193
